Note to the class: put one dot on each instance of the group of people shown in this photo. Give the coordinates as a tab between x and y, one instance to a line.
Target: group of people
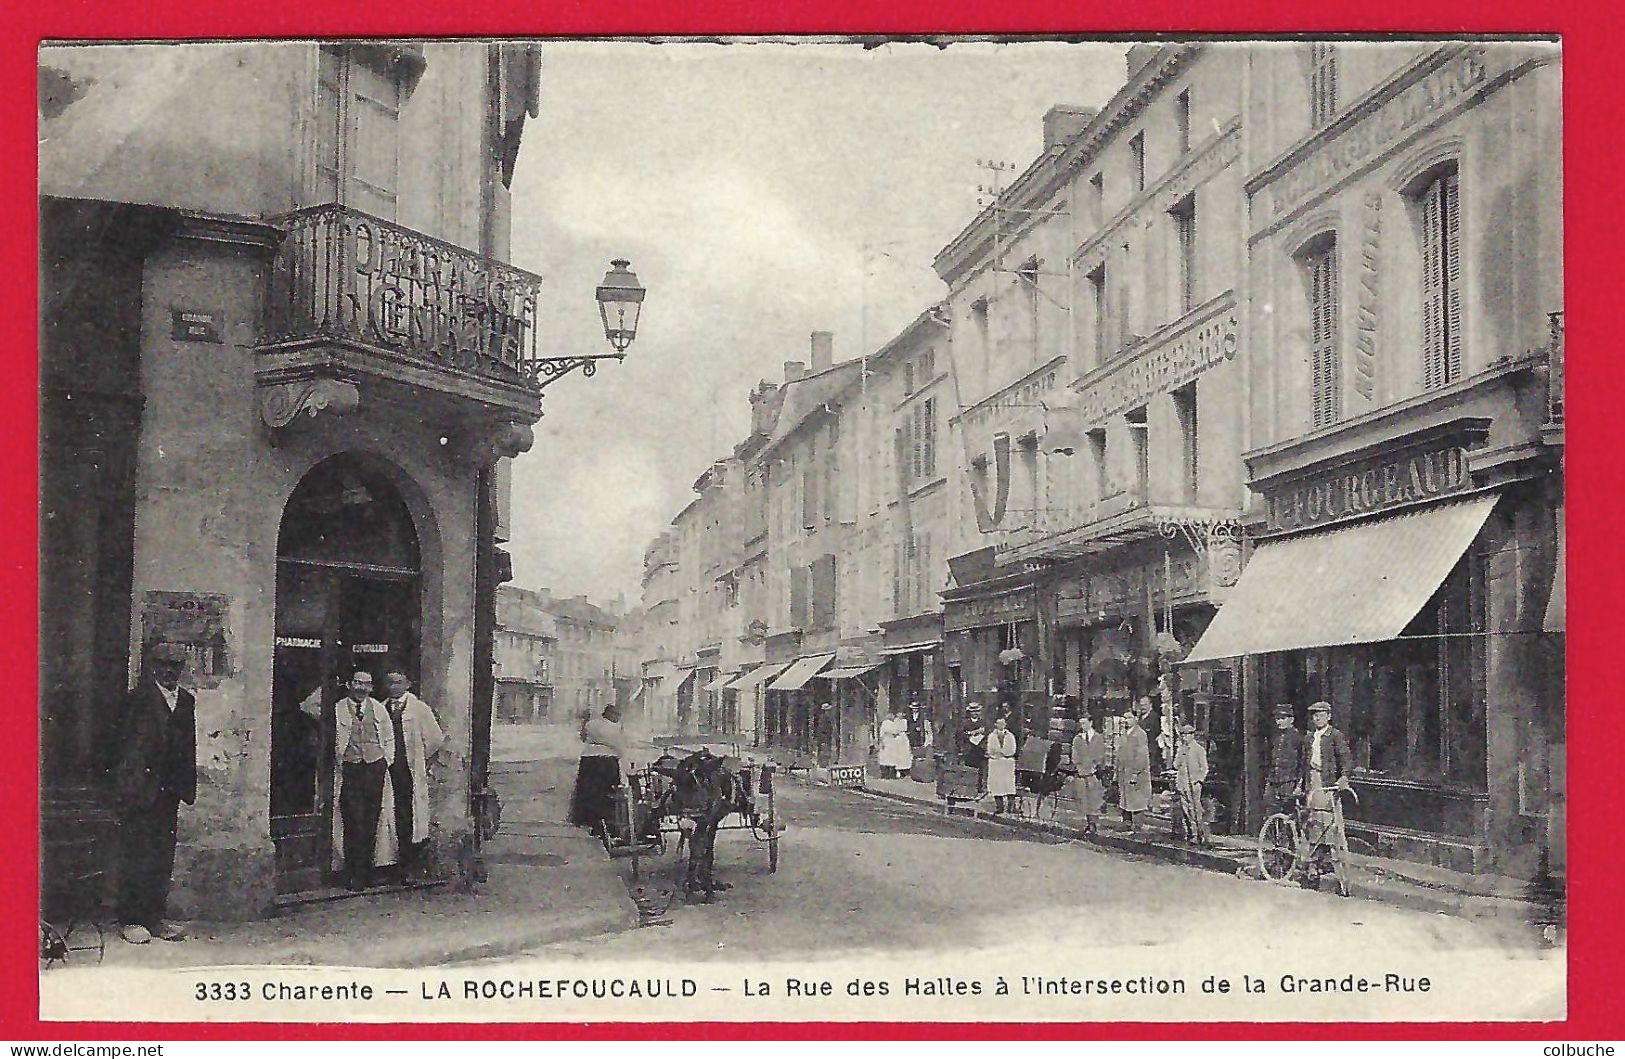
899	739
381	755
381	761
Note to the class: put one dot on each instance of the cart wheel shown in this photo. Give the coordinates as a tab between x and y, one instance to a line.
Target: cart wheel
53	947
1277	847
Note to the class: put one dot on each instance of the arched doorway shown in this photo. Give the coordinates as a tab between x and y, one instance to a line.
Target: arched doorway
348	597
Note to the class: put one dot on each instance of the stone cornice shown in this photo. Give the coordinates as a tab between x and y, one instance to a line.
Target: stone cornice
991	401
236	231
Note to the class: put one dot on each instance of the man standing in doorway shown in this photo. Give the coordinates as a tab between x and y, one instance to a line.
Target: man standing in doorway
359	725
415	738
152	758
1286	747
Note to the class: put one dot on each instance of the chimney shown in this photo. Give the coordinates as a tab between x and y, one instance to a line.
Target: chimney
1138	56
1063	122
823	350
794	370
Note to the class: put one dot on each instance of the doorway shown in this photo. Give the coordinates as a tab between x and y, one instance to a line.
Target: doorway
348	598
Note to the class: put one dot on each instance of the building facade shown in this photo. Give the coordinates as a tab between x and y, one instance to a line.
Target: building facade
526	657
283	355
1404	244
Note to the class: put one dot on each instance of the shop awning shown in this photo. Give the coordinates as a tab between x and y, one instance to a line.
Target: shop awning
1359	584
849	672
910	648
800	671
721	681
742	680
761	675
1557	602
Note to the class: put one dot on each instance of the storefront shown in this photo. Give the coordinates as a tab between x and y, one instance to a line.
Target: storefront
1407	581
796	706
915	676
992	638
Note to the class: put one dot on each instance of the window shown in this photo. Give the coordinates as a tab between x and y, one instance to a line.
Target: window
1322	84
908	378
1125	304
1184	217
1182	120
1185	410
1097	290
1439	208
1027	279
979	322
1097	197
1325	375
921	441
1136	150
357	133
1139	430
928	366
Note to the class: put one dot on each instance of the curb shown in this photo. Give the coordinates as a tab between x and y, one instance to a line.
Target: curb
1399	892
573	930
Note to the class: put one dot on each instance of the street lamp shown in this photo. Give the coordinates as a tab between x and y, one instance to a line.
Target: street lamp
620	301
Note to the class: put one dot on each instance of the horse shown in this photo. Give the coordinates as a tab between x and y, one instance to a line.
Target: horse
702	790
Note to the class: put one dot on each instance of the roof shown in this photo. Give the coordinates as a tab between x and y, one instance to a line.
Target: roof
805	396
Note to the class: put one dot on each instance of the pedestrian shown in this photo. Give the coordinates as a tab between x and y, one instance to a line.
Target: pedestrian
896	755
1324	769
1147	716
1133	768
360	769
603	743
1001	765
152	761
1088	761
972	754
415	738
1190	769
1286	747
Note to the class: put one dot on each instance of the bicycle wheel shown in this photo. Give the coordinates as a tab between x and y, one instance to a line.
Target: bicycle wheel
1277	847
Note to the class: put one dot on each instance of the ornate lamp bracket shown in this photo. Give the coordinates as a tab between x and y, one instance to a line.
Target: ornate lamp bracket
1218	539
544	371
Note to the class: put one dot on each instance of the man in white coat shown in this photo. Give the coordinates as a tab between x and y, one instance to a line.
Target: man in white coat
414	738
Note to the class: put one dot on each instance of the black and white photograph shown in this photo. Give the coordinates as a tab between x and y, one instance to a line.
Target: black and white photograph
817	529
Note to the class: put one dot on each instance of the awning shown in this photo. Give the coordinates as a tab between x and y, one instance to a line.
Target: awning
1557	602
757	677
721	681
849	672
742	681
1359	584
910	648
800	671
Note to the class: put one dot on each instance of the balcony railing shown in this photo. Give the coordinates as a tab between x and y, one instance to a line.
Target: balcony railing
343	276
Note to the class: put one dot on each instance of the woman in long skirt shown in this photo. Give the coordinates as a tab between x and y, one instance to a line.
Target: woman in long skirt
1088	758
599	773
896	755
1133	770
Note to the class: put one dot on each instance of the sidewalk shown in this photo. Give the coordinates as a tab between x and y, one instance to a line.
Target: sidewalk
1417	886
546	882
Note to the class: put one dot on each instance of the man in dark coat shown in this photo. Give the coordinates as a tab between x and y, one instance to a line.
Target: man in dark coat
1325	763
1286	751
152	757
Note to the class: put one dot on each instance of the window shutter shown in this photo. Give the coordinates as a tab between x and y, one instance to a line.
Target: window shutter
1326	382
897	578
1433	291
930	437
1450	238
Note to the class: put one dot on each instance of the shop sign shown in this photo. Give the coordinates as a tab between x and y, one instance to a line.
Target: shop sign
848	775
196	621
1166	364
1392	483
990	610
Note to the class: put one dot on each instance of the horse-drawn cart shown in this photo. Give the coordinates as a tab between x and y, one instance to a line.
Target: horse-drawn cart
693	797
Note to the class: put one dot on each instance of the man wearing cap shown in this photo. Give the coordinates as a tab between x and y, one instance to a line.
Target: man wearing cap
1324	767
1286	748
152	762
1190	769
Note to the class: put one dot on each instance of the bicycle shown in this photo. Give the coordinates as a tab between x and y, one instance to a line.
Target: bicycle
1286	852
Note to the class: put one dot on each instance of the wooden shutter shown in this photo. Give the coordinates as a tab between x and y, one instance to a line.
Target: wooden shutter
1434	293
1450	240
929	440
897	579
1326	381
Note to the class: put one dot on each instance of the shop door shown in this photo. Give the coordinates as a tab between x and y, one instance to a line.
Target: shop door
329	624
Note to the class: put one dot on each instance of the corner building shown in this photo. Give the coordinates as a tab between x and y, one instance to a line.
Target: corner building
1404	252
283	359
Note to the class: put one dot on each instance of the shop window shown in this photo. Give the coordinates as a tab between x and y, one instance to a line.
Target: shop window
1436	204
1319	262
1322	84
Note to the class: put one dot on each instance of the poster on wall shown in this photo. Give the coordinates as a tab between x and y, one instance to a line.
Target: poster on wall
196	621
